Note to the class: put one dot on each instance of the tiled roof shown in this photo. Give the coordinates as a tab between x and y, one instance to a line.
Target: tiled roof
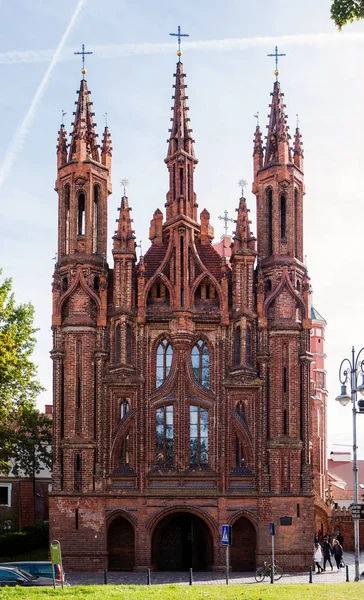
154	257
210	258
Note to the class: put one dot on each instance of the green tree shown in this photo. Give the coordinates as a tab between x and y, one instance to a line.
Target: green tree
19	386
347	11
32	440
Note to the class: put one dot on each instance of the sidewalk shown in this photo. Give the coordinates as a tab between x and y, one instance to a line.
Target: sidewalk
212	578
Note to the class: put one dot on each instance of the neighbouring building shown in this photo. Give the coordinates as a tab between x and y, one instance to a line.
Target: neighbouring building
182	381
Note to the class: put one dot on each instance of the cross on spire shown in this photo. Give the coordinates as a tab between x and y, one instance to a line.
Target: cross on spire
276	72
179	35
226	219
83	71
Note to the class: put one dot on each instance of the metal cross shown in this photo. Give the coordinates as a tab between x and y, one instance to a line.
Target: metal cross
297	121
276	57
226	219
257	118
105	117
124	184
242	183
63	114
179	35
140	246
83	57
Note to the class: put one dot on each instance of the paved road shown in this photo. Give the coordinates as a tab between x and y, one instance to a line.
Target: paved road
212	578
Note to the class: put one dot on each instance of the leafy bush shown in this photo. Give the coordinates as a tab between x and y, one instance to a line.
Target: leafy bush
31	538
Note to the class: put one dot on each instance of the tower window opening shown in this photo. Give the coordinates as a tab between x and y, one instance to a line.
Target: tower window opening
96	283
118	343
64	283
124	408
95	237
67	203
248	345
238	345
76	518
181	180
199	436
283	216
200	357
128	343
239	453
240	409
81	214
163	362
124	454
285	422
285	379
269	221
296	224
164	435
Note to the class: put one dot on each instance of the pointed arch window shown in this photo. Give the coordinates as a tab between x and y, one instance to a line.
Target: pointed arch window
238	345
200	358
296	224
283	217
124	454
118	343
163	362
128	343
270	221
240	409
239	453
95	229
124	408
164	435
67	206
81	214
248	346
199	436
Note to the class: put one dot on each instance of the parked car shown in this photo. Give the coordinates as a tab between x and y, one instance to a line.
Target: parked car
38	568
13	576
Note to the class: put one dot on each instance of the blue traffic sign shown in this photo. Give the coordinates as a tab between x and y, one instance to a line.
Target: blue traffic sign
271	528
226	535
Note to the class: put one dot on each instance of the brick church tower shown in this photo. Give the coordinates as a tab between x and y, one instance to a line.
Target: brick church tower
181	383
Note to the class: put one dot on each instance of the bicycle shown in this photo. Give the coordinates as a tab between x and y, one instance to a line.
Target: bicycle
265	570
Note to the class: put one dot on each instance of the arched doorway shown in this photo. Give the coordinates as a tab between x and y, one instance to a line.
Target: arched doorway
243	545
120	545
182	541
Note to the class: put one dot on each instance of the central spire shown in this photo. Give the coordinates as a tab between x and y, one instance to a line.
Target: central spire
83	144
277	148
180	158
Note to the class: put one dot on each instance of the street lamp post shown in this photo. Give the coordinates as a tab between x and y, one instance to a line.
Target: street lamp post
349	372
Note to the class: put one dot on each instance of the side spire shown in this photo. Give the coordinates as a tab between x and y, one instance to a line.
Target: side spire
298	149
243	238
277	148
258	149
62	147
83	144
106	148
124	238
180	134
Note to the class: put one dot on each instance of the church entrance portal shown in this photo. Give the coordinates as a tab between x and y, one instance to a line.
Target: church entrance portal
120	545
243	546
182	541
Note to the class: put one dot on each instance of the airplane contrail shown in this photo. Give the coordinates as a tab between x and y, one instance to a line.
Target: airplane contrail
17	142
115	50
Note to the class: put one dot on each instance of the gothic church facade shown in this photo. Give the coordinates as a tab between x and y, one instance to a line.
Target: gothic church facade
182	394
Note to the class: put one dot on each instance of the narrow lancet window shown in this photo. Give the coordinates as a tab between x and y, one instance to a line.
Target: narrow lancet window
67	206
199	436
283	216
269	221
238	345
200	357
95	238
118	343
81	214
128	343
163	362
164	435
248	346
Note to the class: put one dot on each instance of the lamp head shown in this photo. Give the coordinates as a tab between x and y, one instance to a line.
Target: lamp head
361	406
360	388
344	397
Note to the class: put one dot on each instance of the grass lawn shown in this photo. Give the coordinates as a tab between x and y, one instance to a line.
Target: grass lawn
337	591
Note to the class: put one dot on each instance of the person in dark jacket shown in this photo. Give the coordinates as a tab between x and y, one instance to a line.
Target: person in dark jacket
327	552
338	553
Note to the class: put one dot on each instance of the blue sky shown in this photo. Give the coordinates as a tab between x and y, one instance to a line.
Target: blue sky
229	79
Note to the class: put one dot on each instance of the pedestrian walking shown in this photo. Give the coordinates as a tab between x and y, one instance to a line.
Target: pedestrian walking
338	553
340	539
327	552
317	557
